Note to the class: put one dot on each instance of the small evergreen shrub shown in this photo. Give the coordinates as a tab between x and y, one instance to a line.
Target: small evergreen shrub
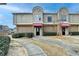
74	33
19	35
49	33
30	35
4	45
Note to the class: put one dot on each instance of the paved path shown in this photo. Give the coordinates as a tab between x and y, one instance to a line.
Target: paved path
71	50
16	49
32	49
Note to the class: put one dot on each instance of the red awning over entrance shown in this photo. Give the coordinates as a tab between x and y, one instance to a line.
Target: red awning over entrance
37	25
64	24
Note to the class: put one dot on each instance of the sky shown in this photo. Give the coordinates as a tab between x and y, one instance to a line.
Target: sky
6	17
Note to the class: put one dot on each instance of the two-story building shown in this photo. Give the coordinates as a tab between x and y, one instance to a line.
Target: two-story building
39	22
4	30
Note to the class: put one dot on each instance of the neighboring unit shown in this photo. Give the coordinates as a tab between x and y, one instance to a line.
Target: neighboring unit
4	30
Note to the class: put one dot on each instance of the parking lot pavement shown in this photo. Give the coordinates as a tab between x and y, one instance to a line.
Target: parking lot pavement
16	49
35	50
75	37
70	49
32	49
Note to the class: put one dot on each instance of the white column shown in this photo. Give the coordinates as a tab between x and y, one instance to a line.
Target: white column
66	31
41	32
59	30
78	28
34	31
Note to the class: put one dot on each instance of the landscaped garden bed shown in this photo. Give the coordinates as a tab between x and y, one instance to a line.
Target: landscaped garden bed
74	33
4	45
19	35
49	33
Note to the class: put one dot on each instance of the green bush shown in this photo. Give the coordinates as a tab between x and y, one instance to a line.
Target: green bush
19	35
1	53
4	45
49	33
74	33
30	35
15	35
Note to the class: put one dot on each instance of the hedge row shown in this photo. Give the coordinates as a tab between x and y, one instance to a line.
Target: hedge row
19	35
4	45
49	33
74	33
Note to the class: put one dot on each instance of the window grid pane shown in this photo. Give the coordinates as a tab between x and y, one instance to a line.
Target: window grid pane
49	19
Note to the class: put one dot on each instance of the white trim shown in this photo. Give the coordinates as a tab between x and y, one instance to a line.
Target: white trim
43	23
74	23
50	23
38	22
24	23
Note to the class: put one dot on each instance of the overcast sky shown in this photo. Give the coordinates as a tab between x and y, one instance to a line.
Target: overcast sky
6	17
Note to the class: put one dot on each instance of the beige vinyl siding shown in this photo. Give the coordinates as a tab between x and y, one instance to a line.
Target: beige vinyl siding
54	18
73	28
24	28
50	28
24	18
74	18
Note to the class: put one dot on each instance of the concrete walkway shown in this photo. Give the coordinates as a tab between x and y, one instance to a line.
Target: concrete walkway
16	49
32	49
71	50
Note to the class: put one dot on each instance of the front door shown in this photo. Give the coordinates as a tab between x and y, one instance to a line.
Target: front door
63	31
37	31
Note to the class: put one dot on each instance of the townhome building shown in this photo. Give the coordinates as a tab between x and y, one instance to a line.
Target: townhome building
38	22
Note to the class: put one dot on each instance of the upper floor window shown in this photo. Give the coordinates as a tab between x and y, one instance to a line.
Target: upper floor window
63	18
49	19
37	17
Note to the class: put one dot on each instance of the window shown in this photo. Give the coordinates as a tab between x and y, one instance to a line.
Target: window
39	19
63	18
49	19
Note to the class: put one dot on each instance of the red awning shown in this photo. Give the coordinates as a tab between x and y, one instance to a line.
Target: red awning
64	24
37	24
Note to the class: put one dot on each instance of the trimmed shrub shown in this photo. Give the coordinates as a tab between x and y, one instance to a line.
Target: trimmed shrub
19	35
1	53
74	33
4	45
30	35
49	33
15	35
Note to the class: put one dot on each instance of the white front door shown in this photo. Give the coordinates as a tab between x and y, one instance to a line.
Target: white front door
65	31
37	31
